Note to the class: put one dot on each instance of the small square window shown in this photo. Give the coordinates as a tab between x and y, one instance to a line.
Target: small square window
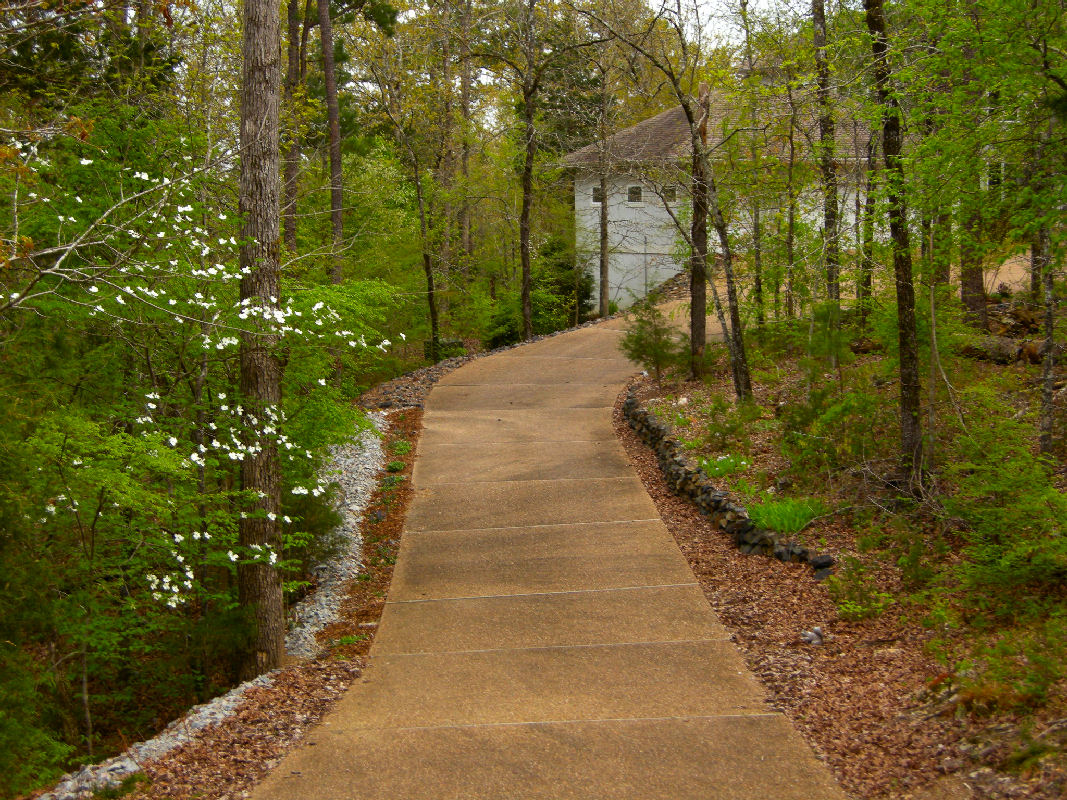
598	195
670	194
633	194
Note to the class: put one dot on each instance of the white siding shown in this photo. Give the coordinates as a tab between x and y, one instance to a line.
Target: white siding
643	245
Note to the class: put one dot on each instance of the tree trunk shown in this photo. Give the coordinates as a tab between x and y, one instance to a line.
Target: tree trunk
446	167
791	212
698	259
1043	263
259	587
742	379
757	263
941	247
831	246
465	84
334	122
605	261
864	286
427	262
292	156
972	279
1036	285
911	442
524	216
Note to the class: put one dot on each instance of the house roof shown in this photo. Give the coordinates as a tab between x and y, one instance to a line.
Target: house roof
665	138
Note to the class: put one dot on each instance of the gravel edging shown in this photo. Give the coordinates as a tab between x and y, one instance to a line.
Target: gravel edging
355	466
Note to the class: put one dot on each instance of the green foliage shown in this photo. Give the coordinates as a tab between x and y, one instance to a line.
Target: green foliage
30	749
401	447
651	340
395	466
351	638
1012	515
559	298
725	464
831	429
827	341
855	593
1016	668
727	424
788	514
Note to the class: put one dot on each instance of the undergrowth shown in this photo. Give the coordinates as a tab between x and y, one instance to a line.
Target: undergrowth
978	554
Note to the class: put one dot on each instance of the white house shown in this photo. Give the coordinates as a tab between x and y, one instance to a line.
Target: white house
643	242
646	168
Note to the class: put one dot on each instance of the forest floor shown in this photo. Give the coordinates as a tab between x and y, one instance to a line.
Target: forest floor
871	699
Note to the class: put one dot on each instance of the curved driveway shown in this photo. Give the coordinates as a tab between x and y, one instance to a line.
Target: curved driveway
543	636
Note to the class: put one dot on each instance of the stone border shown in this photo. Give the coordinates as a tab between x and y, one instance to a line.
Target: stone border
686	479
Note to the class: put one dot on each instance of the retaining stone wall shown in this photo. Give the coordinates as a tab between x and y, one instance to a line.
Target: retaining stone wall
687	479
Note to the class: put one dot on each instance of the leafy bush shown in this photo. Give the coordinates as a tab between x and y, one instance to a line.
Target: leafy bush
651	340
1016	668
855	594
1012	515
787	515
831	430
728	424
720	466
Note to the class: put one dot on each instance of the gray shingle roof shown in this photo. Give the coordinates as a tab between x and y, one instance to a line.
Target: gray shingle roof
663	138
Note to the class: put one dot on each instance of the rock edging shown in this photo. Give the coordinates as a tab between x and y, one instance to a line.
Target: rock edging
686	479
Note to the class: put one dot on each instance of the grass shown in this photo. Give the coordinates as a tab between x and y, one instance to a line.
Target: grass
787	515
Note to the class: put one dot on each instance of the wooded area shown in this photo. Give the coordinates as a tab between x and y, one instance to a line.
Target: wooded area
219	225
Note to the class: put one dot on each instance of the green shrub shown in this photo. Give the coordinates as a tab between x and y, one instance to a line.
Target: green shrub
651	340
1017	668
1011	514
30	751
855	594
720	466
728	425
787	515
830	430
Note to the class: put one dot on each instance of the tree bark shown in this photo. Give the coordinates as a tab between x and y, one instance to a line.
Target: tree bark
605	261
972	280
529	94
1043	263
427	261
259	587
292	156
941	248
742	378
524	216
465	85
864	286
791	211
827	166
911	443
333	115
757	264
698	259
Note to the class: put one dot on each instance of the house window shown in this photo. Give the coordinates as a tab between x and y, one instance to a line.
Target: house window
633	194
598	195
670	194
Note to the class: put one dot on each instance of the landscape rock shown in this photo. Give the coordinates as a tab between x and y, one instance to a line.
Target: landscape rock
688	480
